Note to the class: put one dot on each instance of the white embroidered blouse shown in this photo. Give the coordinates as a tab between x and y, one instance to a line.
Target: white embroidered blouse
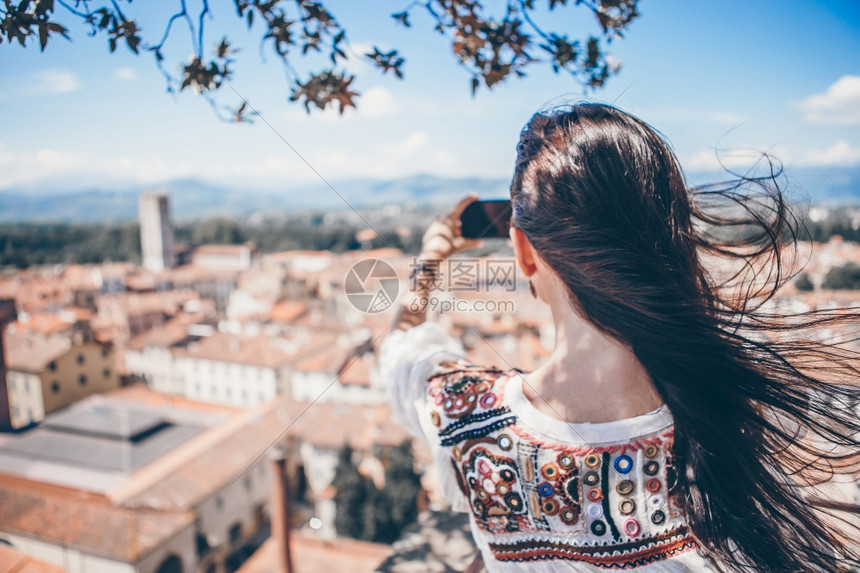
542	494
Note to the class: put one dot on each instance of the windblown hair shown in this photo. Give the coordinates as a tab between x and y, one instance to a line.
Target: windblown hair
764	399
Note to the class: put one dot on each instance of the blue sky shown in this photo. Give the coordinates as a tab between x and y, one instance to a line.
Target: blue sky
734	75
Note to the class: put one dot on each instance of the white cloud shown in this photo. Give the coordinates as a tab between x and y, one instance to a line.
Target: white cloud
52	165
374	103
839	105
416	153
840	153
52	81
125	74
711	159
378	102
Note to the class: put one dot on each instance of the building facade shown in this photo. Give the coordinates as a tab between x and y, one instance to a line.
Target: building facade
44	374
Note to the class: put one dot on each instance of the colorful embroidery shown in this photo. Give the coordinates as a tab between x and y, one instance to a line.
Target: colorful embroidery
621	556
612	506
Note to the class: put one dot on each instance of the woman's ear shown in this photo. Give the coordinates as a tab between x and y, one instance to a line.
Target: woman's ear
524	252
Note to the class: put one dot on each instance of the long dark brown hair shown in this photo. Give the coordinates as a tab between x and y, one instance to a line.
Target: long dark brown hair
764	400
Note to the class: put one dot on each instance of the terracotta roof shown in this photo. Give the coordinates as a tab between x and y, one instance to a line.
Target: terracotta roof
140	393
77	313
287	256
311	555
44	322
28	352
92	526
356	372
167	302
331	425
261	350
191	273
330	361
287	311
165	335
141	282
224	455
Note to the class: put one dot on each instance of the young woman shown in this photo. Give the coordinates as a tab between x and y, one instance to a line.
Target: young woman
678	424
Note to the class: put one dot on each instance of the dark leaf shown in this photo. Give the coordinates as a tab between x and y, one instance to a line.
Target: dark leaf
402	17
55	27
43	35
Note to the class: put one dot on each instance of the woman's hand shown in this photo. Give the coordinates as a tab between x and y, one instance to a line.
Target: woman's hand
443	238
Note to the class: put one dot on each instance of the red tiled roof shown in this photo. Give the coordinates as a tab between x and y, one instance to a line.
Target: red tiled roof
28	352
256	351
44	323
164	335
287	311
310	555
90	525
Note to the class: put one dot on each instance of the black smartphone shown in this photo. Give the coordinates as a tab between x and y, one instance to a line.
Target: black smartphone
489	219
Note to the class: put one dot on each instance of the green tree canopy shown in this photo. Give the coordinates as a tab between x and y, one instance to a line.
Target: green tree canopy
490	47
803	282
220	231
351	493
845	277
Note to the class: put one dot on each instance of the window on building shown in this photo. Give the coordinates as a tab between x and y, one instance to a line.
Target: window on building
202	544
219	503
82	379
171	564
235	533
105	352
106	372
55	387
52	366
80	358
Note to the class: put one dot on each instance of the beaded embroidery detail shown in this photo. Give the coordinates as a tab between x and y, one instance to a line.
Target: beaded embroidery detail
613	506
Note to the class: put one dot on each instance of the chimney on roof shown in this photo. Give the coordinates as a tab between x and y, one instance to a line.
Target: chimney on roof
280	514
7	315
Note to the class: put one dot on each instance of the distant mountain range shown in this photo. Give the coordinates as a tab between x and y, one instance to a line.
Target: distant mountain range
192	198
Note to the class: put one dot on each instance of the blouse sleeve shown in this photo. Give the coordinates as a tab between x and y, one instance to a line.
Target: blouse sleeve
407	359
